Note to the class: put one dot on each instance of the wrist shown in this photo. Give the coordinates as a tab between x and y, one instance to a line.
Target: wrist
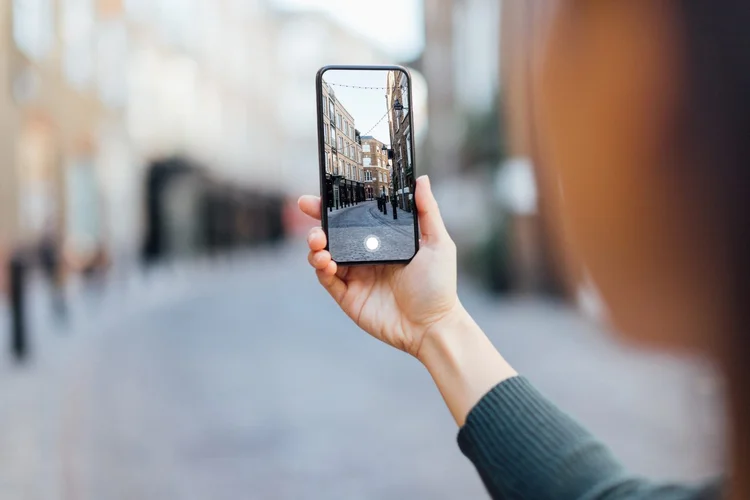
462	361
441	338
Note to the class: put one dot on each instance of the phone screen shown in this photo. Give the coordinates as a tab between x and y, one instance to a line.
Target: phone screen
367	164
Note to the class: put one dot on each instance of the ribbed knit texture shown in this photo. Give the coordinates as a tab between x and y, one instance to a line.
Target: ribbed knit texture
525	448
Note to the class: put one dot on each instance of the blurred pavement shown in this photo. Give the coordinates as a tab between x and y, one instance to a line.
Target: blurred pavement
242	380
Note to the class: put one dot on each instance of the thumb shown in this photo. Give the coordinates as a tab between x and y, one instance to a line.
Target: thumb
430	222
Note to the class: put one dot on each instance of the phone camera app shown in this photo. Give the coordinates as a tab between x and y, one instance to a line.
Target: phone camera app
367	164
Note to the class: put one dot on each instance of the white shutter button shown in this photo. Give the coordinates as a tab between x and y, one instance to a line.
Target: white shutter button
372	243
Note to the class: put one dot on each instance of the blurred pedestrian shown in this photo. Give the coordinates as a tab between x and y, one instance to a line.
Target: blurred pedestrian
18	277
642	121
94	270
51	261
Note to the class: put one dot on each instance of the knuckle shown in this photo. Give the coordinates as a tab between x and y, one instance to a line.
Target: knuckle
450	246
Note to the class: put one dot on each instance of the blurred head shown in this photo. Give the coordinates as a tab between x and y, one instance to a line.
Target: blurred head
642	118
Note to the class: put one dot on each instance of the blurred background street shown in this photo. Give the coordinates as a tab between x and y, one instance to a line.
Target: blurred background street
161	334
253	383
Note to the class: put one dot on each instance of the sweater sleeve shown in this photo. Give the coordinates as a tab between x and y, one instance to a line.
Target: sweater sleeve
525	448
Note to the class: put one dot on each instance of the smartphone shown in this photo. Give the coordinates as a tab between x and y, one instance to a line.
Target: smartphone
366	163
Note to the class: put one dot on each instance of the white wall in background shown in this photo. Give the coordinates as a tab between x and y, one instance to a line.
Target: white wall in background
516	186
78	37
477	40
34	27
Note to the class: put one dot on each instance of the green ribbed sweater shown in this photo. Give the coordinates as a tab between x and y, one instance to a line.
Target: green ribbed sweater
525	448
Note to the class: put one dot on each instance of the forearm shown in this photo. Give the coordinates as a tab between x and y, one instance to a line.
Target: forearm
463	363
520	443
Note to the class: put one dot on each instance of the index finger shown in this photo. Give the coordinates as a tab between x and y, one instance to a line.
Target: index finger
310	206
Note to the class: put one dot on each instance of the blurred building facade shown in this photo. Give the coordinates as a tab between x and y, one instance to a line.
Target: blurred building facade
535	250
460	65
438	66
480	143
51	124
96	87
94	91
306	41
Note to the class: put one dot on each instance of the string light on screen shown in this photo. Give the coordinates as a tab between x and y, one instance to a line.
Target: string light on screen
403	87
360	87
373	127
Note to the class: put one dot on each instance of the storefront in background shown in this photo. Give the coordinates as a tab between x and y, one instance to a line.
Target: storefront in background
37	168
83	221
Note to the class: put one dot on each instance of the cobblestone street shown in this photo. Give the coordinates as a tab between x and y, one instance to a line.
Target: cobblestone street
241	379
349	227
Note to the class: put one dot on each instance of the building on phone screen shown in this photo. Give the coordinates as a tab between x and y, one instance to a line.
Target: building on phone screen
377	168
399	125
343	153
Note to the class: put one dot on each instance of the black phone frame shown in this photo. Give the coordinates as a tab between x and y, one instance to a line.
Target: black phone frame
322	162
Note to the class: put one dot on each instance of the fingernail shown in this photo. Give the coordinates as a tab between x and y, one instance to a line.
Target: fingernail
424	178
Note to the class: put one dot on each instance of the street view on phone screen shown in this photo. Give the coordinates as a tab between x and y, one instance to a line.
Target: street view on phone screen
369	167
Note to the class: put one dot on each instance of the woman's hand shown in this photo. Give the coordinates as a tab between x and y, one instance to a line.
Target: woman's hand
415	307
400	305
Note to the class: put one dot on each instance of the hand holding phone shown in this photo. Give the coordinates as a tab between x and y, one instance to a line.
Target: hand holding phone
399	305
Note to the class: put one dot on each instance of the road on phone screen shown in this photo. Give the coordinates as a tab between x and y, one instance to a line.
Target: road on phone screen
349	228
